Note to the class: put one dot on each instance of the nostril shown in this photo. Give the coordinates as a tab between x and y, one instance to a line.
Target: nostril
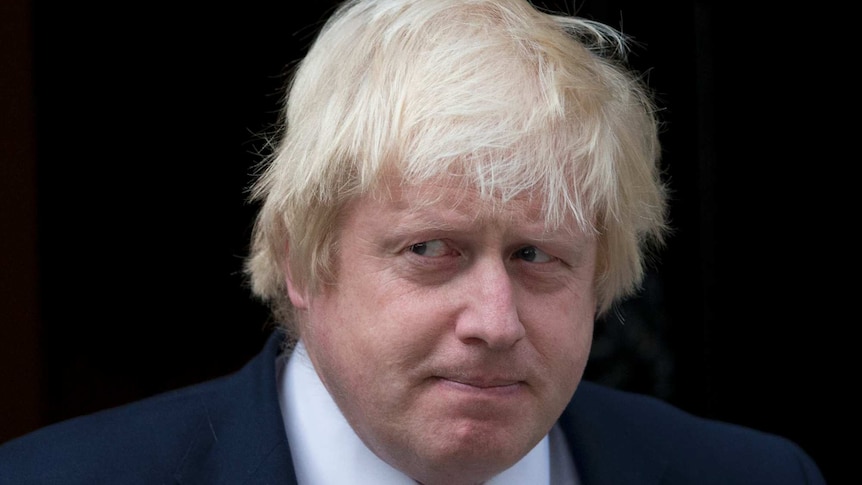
497	328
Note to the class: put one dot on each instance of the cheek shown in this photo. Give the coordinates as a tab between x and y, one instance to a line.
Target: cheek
357	332
339	355
329	335
570	343
562	333
365	349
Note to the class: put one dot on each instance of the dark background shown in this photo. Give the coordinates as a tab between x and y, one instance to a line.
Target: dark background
129	132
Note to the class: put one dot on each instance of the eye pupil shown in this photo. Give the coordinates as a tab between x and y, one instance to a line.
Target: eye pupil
528	254
419	248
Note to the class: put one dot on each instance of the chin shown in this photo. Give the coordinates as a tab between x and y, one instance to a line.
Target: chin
472	453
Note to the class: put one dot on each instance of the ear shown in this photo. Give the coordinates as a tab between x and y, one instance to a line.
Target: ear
297	294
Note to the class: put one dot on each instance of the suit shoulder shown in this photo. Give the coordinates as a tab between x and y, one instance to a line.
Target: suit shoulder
102	444
153	439
691	447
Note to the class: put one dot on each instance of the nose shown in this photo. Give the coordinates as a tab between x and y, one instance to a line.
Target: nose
490	316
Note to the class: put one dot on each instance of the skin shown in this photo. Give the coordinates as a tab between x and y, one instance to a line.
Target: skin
454	334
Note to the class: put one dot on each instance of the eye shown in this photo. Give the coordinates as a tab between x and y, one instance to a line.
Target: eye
532	254
431	249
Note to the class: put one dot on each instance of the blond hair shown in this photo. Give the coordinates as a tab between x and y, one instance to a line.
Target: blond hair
508	97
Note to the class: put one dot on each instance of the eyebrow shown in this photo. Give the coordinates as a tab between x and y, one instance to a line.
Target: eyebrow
429	219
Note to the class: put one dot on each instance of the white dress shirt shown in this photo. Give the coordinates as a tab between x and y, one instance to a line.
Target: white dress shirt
326	450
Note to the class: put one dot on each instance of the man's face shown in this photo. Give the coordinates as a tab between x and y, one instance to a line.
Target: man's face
453	336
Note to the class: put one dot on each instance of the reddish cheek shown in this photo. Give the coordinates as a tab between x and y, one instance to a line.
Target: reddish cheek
569	336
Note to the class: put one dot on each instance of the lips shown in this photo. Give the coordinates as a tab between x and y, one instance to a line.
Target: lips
502	374
482	382
484	375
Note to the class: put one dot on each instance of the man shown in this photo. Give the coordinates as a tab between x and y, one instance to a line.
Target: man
460	188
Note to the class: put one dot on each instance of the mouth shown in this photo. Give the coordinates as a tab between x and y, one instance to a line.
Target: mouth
494	386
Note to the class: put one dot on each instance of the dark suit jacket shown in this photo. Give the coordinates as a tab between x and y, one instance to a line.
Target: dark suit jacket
230	431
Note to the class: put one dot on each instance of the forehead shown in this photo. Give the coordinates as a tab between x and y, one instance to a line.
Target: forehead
445	201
